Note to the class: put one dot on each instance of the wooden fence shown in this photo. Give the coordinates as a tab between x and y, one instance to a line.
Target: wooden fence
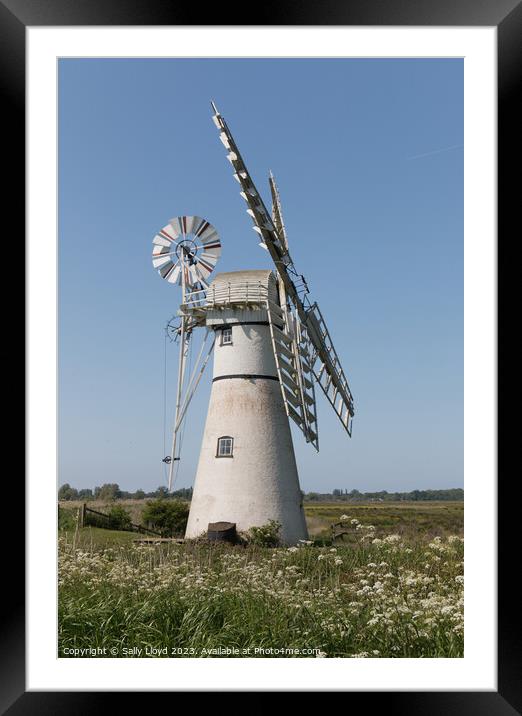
89	517
340	530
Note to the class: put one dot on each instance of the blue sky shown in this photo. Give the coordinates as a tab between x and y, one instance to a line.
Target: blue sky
368	157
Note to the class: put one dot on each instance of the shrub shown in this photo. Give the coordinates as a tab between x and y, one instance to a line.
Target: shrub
66	519
119	518
169	517
266	535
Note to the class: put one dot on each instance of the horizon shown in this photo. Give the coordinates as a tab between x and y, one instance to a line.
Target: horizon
344	490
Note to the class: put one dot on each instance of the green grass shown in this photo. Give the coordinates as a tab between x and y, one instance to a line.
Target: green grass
93	538
380	596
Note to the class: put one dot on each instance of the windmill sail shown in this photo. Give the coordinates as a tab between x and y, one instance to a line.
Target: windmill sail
292	353
290	347
323	360
328	371
277	214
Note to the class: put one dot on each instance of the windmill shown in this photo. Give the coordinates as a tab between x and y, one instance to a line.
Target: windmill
271	349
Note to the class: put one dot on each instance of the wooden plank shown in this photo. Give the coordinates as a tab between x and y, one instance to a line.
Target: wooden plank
291	384
281	336
281	348
295	416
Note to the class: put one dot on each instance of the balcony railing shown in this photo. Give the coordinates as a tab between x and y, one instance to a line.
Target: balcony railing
223	294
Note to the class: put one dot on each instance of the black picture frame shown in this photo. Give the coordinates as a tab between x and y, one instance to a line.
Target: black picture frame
506	15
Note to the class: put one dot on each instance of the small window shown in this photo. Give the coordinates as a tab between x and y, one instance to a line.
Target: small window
224	446
226	337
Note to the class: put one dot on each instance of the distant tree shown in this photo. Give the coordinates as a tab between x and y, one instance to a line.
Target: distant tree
108	491
66	492
185	493
85	494
162	491
312	496
139	495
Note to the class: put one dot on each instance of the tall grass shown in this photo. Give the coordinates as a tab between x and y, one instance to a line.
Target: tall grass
374	598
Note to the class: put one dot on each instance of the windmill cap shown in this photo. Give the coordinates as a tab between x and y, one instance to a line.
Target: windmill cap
254	275
240	296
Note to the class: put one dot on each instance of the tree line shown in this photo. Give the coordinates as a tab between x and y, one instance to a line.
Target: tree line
112	491
342	495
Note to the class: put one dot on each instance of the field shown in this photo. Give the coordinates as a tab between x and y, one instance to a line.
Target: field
412	520
409	519
393	588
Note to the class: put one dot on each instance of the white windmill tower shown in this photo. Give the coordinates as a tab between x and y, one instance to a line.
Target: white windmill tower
271	346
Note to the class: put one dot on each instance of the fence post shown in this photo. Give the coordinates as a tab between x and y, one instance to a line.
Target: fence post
81	515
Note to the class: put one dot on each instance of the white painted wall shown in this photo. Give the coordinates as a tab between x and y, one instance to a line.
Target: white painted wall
251	352
260	481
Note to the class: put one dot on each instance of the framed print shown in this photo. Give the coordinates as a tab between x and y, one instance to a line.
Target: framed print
371	122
